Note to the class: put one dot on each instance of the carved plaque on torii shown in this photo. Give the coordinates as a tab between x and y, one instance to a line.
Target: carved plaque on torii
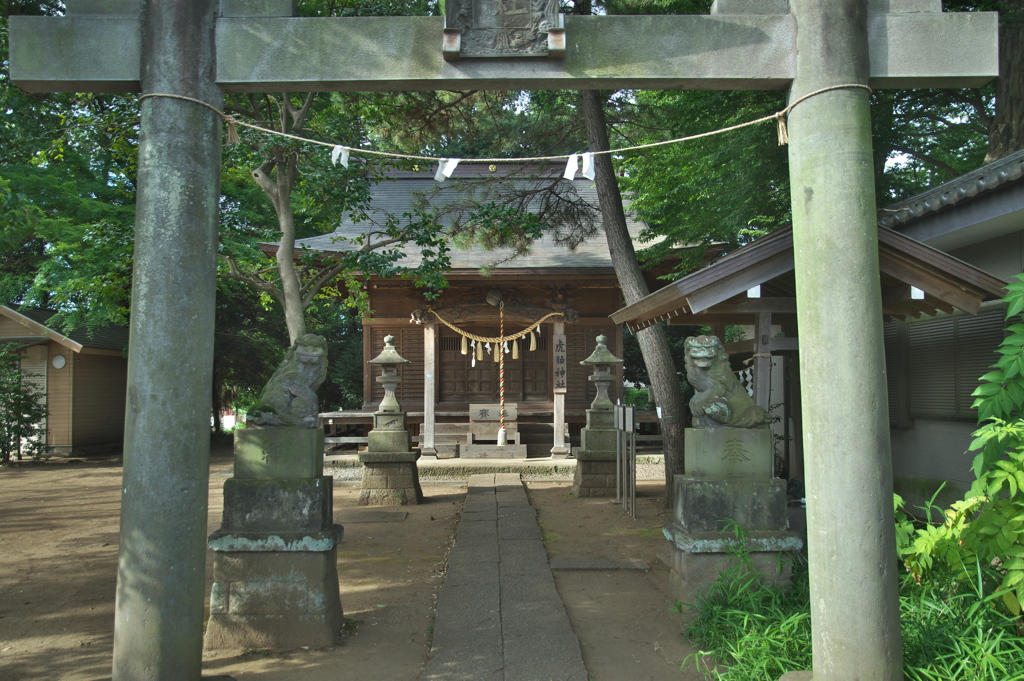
503	28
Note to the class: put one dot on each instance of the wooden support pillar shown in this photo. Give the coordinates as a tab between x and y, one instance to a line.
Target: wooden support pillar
427	446
762	364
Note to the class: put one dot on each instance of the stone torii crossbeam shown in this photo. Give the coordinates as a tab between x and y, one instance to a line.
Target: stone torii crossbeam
203	48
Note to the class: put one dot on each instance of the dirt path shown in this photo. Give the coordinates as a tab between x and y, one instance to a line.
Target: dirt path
58	565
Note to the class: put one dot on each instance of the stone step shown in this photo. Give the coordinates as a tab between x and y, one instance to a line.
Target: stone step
493	452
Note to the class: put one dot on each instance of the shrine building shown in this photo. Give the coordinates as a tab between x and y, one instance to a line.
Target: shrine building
565	294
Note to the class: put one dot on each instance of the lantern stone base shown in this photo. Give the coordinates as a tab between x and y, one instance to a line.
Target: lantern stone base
594	479
390	479
595	457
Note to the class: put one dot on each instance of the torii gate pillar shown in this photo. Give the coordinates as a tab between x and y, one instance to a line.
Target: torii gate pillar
158	618
847	462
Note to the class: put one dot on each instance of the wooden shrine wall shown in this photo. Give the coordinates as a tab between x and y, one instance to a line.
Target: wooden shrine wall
528	380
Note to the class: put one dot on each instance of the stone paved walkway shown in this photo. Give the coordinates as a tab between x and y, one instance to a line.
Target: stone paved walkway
499	616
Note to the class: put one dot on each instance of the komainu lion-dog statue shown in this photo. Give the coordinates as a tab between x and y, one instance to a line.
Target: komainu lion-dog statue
720	401
289	398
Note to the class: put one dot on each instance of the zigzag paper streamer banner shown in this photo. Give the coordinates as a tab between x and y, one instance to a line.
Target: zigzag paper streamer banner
445	168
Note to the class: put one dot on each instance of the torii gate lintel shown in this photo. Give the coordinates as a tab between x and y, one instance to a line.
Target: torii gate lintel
261	47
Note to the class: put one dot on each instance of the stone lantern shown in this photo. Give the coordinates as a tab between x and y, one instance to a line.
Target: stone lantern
602	360
595	457
390	477
389	360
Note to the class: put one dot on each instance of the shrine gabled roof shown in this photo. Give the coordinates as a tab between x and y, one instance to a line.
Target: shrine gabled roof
405	191
37	322
997	176
718	293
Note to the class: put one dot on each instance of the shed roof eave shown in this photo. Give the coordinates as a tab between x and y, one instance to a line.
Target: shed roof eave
958	191
41	329
948	281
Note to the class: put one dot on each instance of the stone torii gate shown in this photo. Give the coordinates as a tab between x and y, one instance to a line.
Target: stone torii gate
202	48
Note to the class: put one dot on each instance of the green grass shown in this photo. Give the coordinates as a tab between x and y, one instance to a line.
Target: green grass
749	631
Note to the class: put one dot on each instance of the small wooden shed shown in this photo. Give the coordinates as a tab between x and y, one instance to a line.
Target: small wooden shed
755	286
84	375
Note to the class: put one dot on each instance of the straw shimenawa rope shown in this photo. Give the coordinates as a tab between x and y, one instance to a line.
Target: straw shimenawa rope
495	339
779	117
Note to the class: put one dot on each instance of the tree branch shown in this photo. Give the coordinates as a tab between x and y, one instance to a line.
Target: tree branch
250	278
263	179
311	288
299	117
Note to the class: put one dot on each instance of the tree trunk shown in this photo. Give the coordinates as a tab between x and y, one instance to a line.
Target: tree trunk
217	403
290	285
665	386
280	194
1006	134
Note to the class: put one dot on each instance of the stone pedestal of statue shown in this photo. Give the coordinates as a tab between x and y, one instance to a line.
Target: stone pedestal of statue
728	484
390	476
275	557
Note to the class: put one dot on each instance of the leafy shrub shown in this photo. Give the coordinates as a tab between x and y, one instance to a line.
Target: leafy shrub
986	528
637	397
749	630
22	411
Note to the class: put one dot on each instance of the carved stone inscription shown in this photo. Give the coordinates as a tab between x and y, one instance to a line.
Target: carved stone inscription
502	28
736	451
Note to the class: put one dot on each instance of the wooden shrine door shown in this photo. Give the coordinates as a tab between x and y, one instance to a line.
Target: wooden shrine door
526	378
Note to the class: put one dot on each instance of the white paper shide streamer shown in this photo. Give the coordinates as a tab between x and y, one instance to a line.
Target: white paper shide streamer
340	153
571	167
445	168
